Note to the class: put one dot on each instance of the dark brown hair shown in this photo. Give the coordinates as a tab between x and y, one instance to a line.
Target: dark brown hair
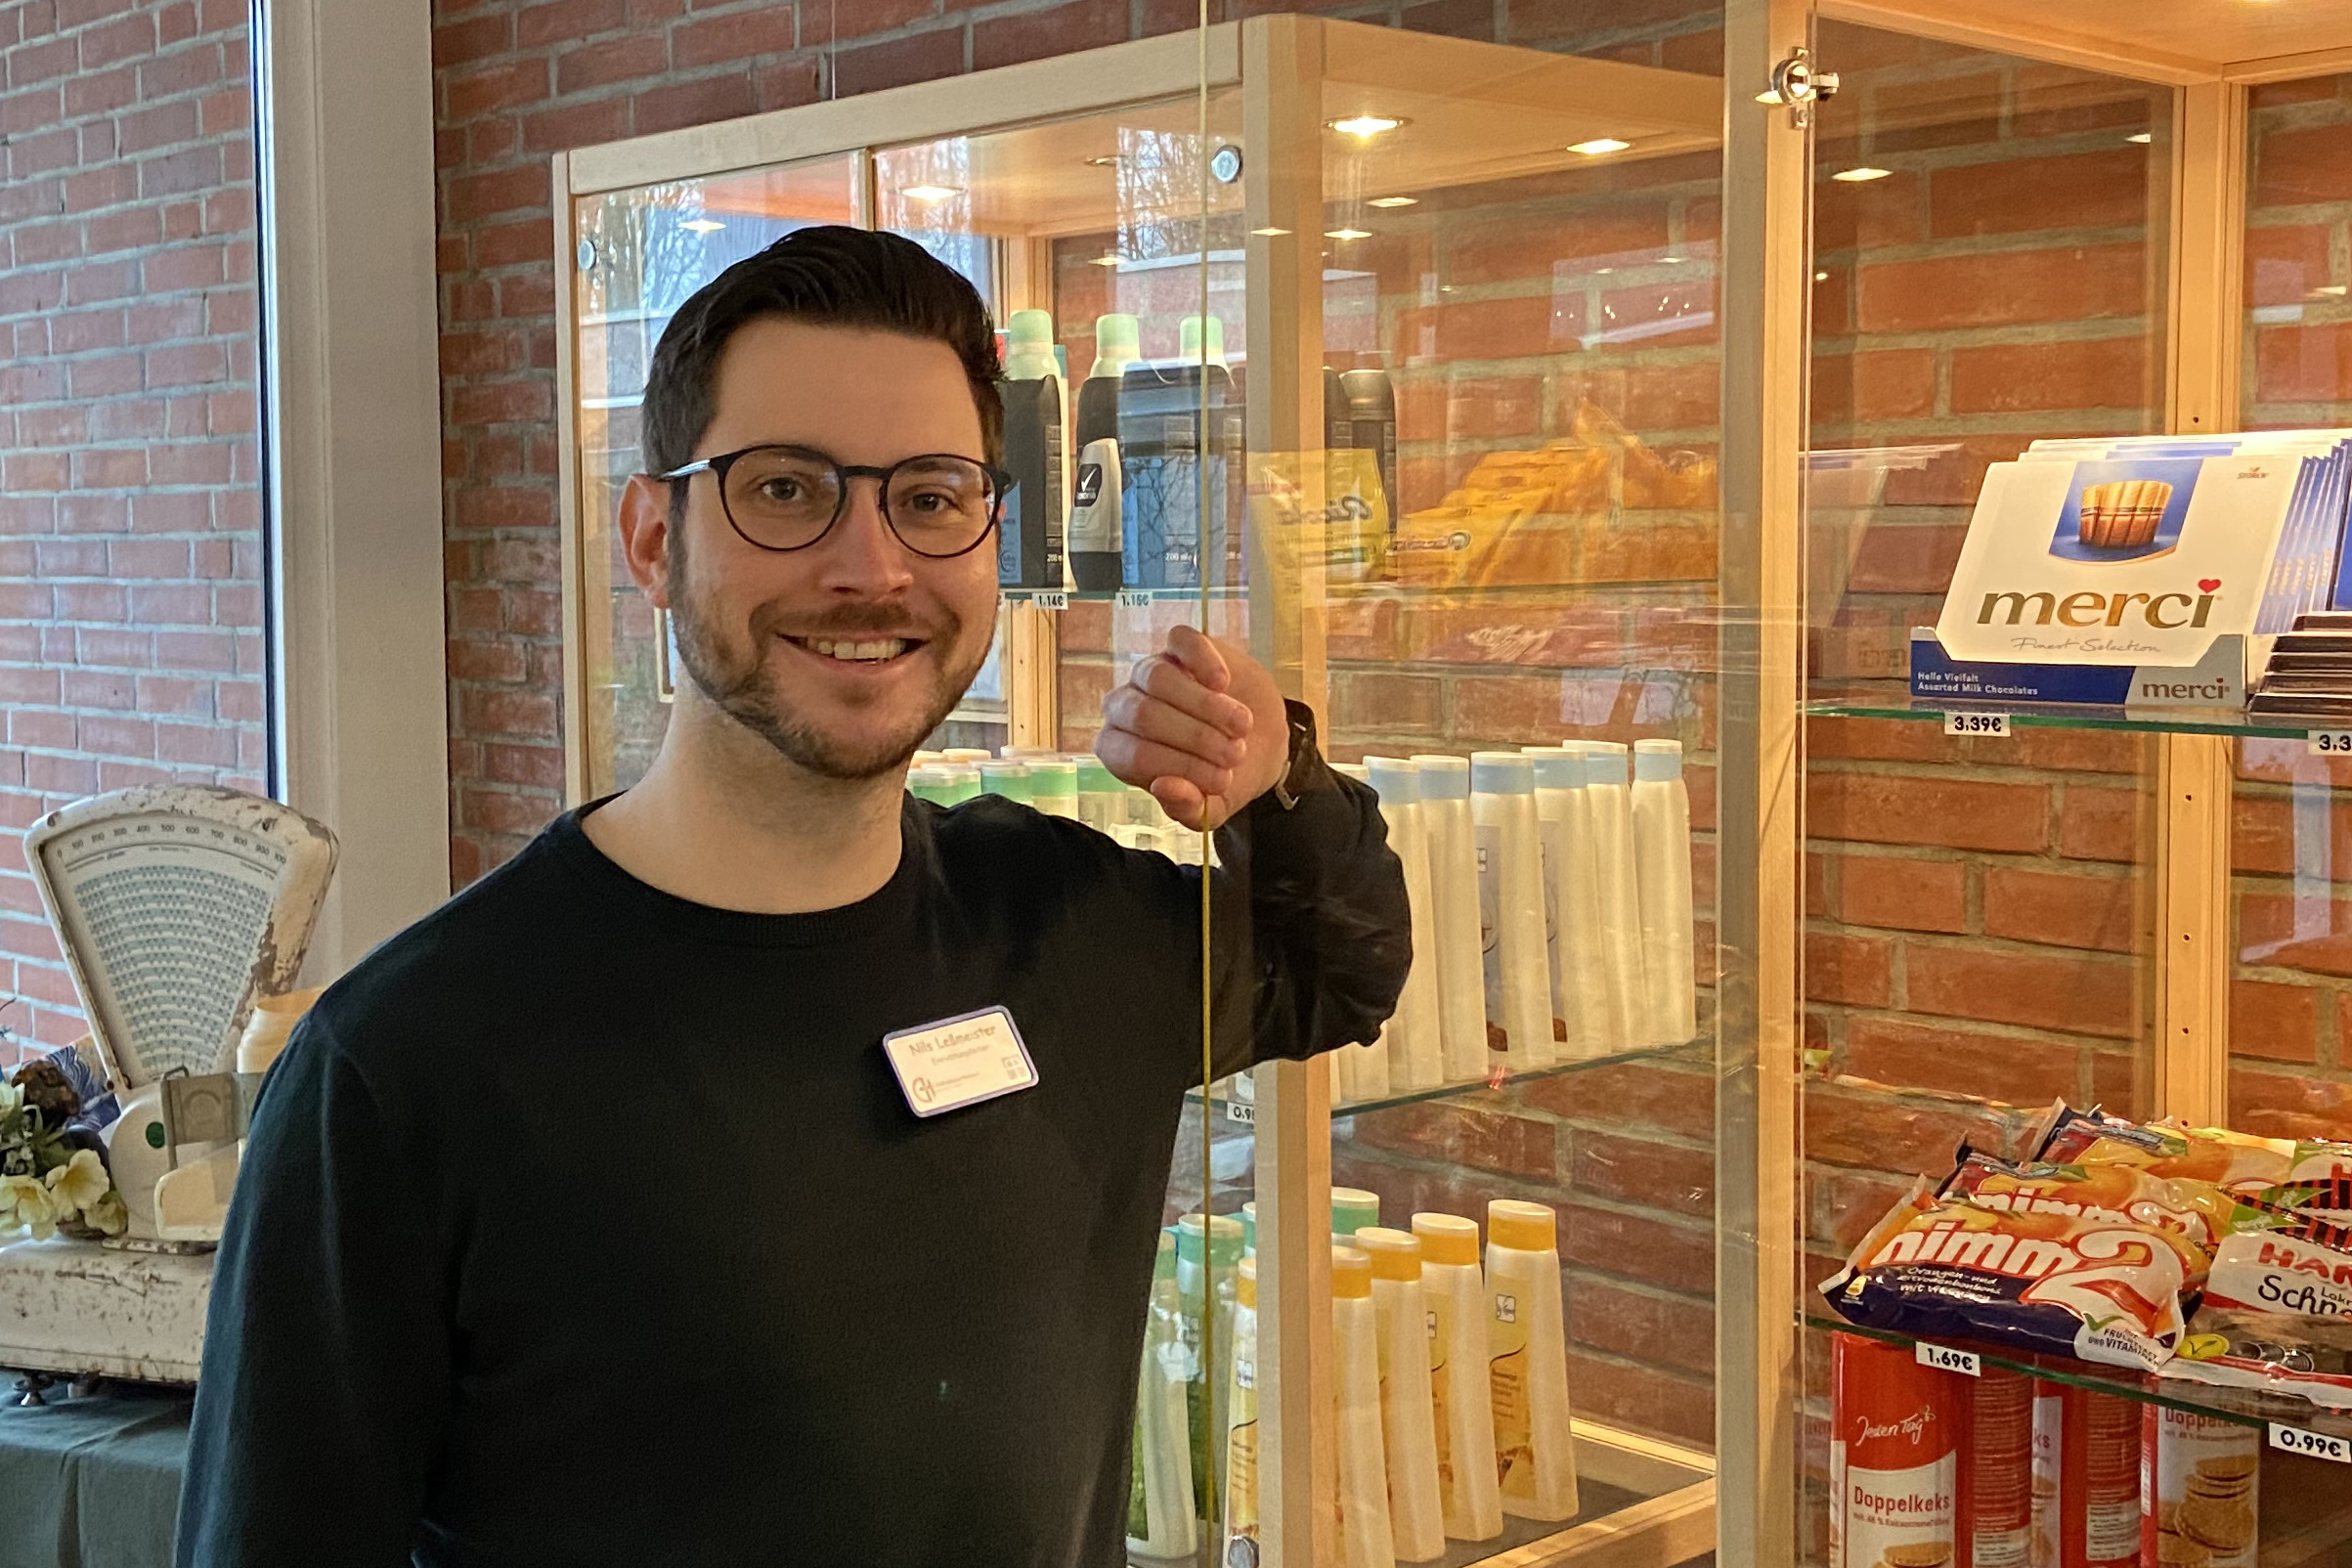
828	276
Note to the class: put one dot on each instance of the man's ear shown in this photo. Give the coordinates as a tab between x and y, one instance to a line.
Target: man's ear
645	535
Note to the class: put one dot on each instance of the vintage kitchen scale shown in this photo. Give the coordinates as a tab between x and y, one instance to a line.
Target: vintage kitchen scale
177	906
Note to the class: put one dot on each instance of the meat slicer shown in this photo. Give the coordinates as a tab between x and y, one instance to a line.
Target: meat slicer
176	907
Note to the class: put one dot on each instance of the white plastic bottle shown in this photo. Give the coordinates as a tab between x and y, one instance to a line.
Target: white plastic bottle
1352	1209
1054	786
1606	793
1207	1255
1162	1461
1581	1025
1241	1411
1454	892
1510	894
1414	1037
1364	1541
1407	1420
1454	1287
1662	888
1527	1361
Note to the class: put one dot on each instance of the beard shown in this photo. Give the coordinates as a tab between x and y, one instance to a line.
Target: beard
741	682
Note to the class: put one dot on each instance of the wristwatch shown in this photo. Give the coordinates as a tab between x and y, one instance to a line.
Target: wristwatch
1305	757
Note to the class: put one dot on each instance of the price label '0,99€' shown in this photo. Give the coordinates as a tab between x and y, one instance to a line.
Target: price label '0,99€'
2316	1444
2330	742
1976	723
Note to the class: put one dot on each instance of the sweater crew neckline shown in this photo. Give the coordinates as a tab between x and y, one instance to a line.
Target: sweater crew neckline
884	909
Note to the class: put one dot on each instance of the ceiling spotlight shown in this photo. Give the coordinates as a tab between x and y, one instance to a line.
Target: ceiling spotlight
1108	160
2141	137
2330	290
1669	261
701	225
1109	258
1269	231
1599	146
1392	201
1820	278
927	193
1347	234
1363	128
1857	176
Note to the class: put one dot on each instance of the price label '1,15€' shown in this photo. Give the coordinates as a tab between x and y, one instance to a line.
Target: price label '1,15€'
1976	723
2316	1444
2330	742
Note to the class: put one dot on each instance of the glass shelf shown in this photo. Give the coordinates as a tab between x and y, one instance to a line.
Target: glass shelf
1244	1112
2249	1407
1599	1501
1125	598
1893	703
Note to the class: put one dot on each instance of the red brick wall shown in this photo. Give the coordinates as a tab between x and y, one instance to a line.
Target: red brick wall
2291	1007
130	566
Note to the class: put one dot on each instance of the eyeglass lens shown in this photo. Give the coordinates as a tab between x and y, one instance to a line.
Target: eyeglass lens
785	500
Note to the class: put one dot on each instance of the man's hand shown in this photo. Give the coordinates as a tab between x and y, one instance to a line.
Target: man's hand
1201	726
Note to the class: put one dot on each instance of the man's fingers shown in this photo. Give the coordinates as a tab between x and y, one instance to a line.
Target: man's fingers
1150	764
1151	718
1163	678
1186	806
1200	658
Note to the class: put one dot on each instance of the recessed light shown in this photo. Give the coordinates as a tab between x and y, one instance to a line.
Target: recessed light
1820	278
1108	160
1347	234
1603	271
1109	258
1392	201
1599	146
1269	231
1364	126
2141	137
930	193
701	225
2331	291
1669	261
1857	176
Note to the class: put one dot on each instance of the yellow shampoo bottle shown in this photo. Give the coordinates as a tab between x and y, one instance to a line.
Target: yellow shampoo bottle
1527	1361
1417	1517
1463	1410
1241	1436
1364	1541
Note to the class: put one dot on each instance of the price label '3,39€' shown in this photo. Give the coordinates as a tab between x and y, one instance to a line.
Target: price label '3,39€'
1976	723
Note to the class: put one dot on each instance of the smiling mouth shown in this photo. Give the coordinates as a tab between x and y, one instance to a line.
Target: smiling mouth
858	650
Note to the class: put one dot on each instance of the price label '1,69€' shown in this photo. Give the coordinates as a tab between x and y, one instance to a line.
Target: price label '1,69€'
2330	742
1976	723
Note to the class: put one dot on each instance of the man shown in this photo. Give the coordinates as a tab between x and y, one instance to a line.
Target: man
612	1214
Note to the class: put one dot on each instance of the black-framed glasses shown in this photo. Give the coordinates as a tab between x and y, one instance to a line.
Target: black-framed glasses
785	498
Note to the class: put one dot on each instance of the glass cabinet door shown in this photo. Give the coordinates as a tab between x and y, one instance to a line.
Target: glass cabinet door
640	254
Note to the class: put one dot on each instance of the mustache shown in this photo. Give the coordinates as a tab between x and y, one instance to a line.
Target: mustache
847	622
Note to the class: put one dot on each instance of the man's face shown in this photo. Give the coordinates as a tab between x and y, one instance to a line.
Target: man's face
771	636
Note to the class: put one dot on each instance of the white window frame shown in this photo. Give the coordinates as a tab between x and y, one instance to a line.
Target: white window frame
352	414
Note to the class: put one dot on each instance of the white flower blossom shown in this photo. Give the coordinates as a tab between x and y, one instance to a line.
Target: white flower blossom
25	1201
79	1183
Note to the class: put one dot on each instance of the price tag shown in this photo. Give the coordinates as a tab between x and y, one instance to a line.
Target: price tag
1976	723
2315	1444
1945	1358
2330	742
1236	1110
1135	598
1049	601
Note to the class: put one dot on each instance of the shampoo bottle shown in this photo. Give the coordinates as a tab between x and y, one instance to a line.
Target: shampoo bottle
1454	895
1010	779
1208	1254
1054	786
1581	1016
1098	494
1415	1512
1527	1360
1352	1209
1364	1541
1029	537
1241	1436
1662	888
1606	793
1179	431
1460	1386
1102	799
1414	1035
1371	411
1510	894
1160	1493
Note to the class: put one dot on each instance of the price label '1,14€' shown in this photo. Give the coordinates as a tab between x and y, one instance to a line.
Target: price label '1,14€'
2330	742
1976	723
2317	1445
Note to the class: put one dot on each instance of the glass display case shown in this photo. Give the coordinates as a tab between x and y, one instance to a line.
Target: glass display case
1607	422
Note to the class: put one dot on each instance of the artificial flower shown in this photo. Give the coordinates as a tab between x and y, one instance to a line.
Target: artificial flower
79	1183
10	1097
24	1200
108	1214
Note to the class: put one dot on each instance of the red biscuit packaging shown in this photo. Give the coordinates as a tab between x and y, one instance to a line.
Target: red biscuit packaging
1894	1458
2201	1507
2089	1284
1996	1471
2096	1446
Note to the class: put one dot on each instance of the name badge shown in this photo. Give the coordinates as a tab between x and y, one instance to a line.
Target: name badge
960	1061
